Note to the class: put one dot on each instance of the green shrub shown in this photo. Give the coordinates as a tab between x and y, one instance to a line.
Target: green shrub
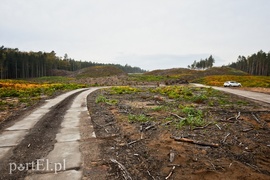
193	117
123	90
102	99
138	118
157	108
199	98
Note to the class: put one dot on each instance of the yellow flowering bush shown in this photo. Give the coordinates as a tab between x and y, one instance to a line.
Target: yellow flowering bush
19	88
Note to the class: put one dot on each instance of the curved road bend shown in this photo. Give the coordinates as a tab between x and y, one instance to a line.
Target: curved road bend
46	143
248	94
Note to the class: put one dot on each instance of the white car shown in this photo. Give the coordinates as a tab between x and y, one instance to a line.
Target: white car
232	84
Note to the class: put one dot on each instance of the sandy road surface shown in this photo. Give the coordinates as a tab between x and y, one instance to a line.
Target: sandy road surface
248	94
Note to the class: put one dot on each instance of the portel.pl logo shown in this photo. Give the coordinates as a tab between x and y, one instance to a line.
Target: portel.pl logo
38	165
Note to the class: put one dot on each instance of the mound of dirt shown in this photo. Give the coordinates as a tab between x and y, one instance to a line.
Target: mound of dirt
170	72
190	74
99	71
141	138
57	72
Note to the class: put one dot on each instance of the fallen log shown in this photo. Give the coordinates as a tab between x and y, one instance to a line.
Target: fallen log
195	142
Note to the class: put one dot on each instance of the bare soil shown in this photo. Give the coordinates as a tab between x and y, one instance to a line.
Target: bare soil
233	143
229	146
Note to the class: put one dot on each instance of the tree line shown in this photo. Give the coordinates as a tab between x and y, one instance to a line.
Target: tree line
203	63
256	64
18	64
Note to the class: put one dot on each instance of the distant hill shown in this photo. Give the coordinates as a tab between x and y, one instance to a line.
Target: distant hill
98	71
170	72
190	74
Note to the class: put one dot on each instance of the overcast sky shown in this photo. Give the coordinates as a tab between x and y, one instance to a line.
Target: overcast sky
151	34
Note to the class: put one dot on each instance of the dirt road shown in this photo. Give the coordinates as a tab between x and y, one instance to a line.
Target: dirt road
44	144
248	94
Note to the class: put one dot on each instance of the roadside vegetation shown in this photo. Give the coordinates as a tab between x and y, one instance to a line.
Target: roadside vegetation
124	90
215	76
51	79
18	94
246	81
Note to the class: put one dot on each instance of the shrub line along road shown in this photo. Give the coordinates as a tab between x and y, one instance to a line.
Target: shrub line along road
248	94
66	155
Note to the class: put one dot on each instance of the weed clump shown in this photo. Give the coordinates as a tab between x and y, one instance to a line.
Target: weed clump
138	118
103	99
194	117
123	90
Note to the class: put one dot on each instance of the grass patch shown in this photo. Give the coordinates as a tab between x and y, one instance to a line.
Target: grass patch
123	90
103	99
193	117
157	108
138	118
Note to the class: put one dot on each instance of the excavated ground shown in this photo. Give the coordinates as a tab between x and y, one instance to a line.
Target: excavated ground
232	144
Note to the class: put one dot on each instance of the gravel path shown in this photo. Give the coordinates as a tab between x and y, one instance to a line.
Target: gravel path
248	94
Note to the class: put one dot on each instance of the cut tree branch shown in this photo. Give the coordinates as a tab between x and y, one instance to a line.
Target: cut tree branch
239	114
179	117
196	142
171	172
226	137
202	127
122	167
258	121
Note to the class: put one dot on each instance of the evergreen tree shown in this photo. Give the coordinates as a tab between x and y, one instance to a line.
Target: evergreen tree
17	64
256	64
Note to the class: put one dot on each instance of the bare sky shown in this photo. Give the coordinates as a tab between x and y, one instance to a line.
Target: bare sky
151	34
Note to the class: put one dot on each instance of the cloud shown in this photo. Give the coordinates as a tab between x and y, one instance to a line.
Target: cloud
150	34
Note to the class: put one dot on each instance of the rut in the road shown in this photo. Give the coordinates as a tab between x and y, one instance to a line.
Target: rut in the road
38	142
